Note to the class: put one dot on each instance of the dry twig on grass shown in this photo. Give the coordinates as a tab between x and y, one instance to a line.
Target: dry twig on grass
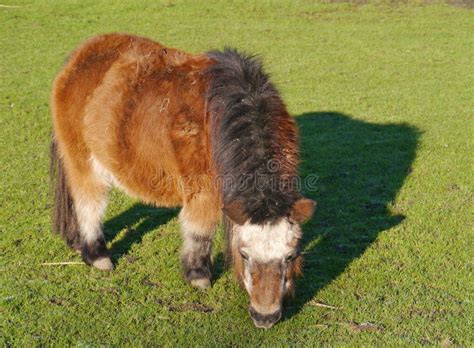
65	263
323	305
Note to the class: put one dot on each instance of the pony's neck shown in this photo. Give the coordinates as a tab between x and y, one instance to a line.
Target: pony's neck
254	139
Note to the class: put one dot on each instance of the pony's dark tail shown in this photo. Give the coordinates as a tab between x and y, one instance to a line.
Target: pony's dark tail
64	214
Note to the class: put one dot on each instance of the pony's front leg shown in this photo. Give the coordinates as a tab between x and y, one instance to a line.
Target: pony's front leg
198	225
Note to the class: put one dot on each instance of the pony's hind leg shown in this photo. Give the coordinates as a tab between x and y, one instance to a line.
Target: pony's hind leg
90	207
198	224
80	202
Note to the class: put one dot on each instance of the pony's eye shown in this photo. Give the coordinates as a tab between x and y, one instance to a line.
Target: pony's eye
244	255
290	257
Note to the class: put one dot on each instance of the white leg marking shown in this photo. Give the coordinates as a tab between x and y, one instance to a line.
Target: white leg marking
190	230
89	216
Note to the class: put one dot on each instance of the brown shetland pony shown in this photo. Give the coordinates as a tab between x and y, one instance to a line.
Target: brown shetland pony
207	132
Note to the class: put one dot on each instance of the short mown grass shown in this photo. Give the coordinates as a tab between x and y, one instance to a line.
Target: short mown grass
383	93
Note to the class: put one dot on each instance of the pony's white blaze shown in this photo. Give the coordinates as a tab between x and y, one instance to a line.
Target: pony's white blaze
247	279
268	242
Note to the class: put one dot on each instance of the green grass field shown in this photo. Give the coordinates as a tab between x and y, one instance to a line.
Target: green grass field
384	96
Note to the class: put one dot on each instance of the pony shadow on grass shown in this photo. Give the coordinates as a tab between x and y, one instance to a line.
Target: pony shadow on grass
148	217
359	168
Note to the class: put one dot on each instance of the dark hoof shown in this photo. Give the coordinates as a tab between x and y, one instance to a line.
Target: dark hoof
197	271
196	262
96	254
198	277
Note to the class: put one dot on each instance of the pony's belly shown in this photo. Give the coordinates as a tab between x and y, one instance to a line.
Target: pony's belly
159	189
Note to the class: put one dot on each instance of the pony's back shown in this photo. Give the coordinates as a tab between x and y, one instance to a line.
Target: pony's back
135	111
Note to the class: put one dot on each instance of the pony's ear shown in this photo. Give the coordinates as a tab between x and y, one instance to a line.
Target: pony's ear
235	211
302	210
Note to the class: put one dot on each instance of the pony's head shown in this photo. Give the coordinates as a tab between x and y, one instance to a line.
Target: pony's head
266	259
255	153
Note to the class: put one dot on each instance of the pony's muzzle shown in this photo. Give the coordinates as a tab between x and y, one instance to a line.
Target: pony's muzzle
264	321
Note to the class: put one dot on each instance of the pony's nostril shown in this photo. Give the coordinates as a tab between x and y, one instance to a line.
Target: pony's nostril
264	321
